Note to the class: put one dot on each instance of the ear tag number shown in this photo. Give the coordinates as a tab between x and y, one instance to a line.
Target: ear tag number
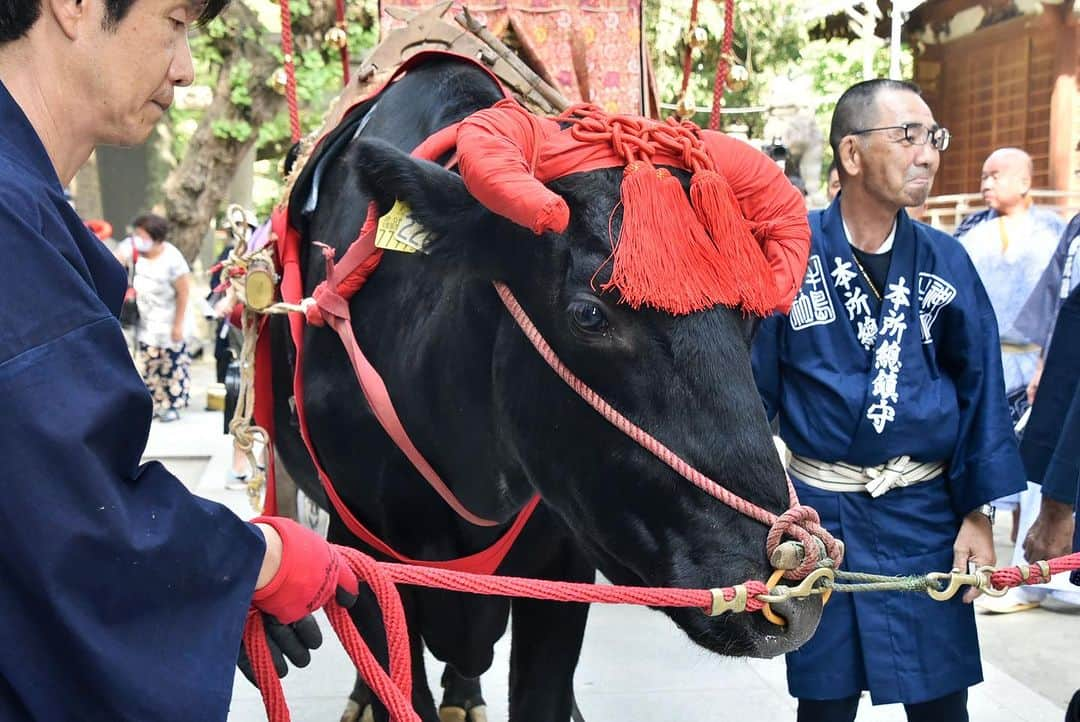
399	231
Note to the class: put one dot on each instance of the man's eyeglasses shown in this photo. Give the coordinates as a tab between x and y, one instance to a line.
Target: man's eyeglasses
916	134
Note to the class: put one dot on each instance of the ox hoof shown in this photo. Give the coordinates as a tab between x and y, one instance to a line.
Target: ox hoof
353	713
452	714
458	714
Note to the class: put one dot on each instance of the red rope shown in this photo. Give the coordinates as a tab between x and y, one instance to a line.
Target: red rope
724	65
290	70
1033	573
345	47
689	50
394	690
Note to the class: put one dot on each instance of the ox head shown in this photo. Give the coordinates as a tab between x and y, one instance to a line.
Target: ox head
685	379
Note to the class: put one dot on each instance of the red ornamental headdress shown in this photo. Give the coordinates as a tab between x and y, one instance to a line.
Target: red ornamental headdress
671	254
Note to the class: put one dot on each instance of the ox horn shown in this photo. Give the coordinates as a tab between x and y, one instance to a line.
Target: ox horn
497	150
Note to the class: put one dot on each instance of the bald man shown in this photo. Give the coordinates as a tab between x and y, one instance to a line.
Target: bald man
1011	243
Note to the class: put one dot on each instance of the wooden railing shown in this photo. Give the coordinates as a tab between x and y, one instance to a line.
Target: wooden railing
946	212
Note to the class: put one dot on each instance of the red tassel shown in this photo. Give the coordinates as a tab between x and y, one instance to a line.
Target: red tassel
664	258
746	271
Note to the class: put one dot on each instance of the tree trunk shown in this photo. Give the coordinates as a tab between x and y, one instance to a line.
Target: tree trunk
198	187
88	191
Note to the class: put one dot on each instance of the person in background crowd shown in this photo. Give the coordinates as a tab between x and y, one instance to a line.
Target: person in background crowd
162	282
833	186
123	596
1050	446
800	185
886	378
1011	243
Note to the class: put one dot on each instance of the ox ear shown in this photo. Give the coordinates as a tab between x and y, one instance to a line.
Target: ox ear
436	197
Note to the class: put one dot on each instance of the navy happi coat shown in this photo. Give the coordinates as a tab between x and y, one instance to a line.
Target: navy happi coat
122	596
859	380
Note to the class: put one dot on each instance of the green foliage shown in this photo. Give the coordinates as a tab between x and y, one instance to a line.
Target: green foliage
239	80
771	39
318	76
770	29
234	130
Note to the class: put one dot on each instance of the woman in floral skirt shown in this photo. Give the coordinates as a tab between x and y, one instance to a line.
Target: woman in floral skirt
162	283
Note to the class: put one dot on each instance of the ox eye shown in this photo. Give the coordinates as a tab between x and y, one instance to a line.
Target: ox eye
588	317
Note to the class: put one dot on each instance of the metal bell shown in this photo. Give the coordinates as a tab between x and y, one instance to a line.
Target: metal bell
279	81
738	78
685	108
336	38
697	37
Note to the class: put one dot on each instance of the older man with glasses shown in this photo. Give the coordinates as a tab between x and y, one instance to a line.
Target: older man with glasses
886	378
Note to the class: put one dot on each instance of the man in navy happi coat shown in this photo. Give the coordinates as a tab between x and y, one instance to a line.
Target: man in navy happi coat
887	381
122	596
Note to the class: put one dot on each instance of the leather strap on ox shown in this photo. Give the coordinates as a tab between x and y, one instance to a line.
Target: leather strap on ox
329	305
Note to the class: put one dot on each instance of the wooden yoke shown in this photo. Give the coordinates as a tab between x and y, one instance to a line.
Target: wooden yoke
428	30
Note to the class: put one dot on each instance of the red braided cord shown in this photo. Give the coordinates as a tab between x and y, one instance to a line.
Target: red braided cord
689	51
262	666
566	591
345	48
290	70
724	65
1014	576
394	690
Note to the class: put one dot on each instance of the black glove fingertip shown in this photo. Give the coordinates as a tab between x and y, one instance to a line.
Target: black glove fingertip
307	629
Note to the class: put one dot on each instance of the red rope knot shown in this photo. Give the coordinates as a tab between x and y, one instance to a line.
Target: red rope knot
325	302
628	136
684	139
803	524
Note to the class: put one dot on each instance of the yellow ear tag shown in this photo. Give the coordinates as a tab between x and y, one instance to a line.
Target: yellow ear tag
399	231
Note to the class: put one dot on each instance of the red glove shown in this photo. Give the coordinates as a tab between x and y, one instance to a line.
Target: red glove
310	574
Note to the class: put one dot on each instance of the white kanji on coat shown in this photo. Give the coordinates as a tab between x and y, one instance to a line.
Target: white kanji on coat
884	386
880	414
935	293
857	303
813	306
899	293
842	274
868	332
888	356
894	324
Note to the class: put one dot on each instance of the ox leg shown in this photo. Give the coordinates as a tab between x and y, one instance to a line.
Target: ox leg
358	708
462	699
545	647
362	705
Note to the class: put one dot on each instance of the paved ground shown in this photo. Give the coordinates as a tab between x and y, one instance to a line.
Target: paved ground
636	666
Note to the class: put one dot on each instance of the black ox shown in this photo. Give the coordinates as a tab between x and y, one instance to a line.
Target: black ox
500	426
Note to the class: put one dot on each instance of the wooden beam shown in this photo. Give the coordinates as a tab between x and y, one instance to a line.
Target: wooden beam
940	11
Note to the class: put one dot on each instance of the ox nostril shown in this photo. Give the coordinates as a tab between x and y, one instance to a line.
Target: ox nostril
800	615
